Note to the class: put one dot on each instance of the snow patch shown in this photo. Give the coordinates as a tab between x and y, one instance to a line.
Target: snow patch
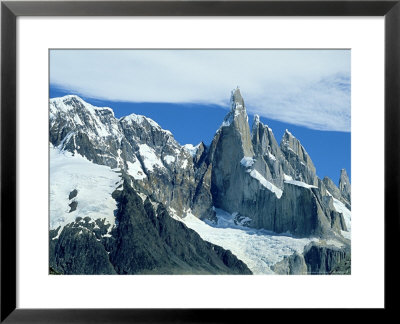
169	159
300	184
135	170
142	196
271	156
174	214
184	164
150	158
289	133
346	234
191	149
247	161
265	183
287	177
226	123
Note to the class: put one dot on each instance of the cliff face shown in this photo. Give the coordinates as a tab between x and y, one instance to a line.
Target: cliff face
292	265
322	259
317	259
345	186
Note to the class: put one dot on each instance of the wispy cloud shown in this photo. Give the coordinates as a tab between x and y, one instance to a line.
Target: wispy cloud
304	87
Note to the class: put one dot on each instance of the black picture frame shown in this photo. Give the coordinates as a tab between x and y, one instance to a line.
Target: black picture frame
10	10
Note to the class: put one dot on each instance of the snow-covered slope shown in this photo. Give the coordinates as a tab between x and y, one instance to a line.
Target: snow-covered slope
136	144
93	183
259	249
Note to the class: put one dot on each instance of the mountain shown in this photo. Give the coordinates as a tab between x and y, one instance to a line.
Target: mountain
264	185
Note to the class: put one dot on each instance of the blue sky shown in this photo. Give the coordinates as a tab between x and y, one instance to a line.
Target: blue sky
187	92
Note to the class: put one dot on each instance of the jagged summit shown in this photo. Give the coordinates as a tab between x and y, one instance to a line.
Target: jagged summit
143	120
73	101
287	133
298	158
344	185
66	97
237	102
237	115
256	119
235	127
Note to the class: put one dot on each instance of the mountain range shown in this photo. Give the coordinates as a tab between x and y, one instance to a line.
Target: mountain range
127	198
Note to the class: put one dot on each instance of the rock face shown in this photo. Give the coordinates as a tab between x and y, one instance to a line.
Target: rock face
345	186
343	193
78	251
343	267
317	258
146	241
322	259
292	265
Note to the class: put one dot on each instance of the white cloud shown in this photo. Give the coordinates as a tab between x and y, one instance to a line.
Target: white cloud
304	87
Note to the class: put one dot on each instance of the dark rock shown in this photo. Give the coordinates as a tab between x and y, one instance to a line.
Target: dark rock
77	251
73	194
343	267
291	265
323	259
149	241
73	206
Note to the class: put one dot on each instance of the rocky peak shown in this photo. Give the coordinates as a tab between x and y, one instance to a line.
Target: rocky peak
140	129
237	102
264	142
256	119
236	123
77	105
298	158
344	185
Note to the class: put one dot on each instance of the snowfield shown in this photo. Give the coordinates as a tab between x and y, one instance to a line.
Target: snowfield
94	183
259	249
